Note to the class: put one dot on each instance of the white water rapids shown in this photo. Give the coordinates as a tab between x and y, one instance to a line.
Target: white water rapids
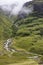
7	45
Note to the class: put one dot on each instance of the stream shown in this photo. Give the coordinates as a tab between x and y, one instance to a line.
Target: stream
7	45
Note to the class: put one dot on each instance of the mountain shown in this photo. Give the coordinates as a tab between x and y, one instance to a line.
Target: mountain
26	34
26	9
30	26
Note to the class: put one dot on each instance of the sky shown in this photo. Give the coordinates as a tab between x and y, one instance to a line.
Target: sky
18	3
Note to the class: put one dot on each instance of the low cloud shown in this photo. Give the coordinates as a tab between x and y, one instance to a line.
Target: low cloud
14	6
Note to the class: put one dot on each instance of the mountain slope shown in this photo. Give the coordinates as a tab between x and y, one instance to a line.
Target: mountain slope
27	38
30	34
5	27
20	41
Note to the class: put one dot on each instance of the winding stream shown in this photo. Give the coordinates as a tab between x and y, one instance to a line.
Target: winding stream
7	45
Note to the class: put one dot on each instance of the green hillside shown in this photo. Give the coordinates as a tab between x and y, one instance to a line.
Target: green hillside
5	30
5	27
27	39
30	34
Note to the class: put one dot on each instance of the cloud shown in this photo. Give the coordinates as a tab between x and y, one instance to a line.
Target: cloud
17	8
12	1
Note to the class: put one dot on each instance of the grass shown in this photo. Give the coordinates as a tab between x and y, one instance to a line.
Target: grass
28	62
30	43
16	58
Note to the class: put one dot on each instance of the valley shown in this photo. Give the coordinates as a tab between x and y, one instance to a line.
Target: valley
21	38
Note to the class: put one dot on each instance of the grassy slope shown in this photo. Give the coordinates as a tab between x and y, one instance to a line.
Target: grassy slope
5	29
28	62
30	34
27	37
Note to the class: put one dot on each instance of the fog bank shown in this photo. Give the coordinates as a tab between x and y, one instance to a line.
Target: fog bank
14	6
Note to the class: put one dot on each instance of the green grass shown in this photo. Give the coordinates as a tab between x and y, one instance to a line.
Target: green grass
16	58
28	62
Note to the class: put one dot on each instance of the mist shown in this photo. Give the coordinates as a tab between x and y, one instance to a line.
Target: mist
14	6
